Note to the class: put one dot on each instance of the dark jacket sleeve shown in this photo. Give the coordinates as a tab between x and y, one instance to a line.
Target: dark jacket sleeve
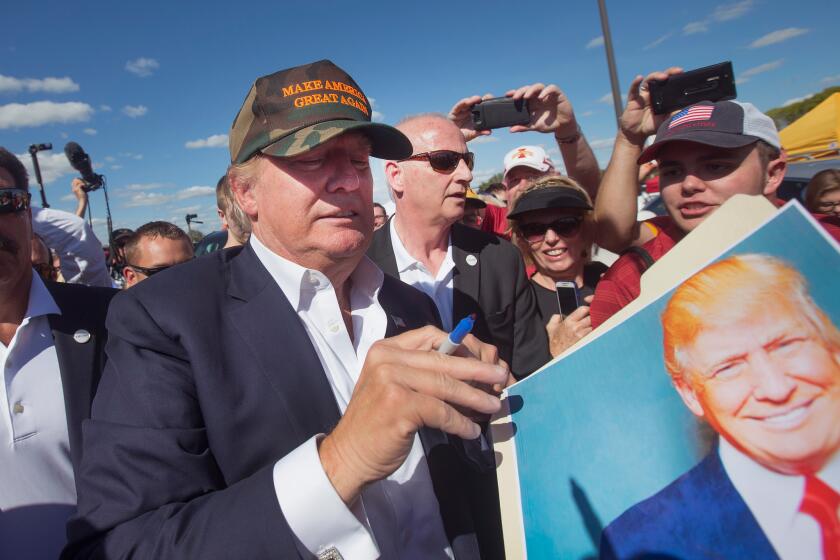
149	486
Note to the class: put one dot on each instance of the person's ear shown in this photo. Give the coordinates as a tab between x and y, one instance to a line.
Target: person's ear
245	196
688	395
130	276
395	176
775	174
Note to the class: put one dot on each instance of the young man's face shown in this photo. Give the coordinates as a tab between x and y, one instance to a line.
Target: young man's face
696	179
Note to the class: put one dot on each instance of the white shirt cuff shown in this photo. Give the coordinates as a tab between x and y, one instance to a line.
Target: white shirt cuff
315	512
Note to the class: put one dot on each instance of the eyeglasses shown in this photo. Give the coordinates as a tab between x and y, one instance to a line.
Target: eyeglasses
46	271
828	206
567	226
148	271
13	200
445	161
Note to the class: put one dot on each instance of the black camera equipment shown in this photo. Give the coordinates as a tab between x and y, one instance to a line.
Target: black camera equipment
81	163
191	219
33	151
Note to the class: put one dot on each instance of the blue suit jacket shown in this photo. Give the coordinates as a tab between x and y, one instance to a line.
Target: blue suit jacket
211	378
699	515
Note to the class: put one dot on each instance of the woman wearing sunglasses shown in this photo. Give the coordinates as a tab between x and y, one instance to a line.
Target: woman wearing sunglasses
551	223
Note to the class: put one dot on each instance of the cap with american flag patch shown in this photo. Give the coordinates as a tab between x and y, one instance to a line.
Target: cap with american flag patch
725	124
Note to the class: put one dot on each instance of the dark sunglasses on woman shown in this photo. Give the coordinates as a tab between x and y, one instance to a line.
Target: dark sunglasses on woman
565	226
13	200
444	161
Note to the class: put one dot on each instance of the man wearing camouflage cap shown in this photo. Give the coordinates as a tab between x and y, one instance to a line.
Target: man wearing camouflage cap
281	400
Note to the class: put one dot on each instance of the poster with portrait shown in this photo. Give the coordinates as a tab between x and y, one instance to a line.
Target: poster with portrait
700	421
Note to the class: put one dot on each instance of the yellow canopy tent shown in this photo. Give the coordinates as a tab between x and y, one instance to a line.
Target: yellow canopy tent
816	134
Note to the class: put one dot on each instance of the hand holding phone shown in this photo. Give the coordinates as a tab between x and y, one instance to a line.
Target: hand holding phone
500	112
710	83
568	297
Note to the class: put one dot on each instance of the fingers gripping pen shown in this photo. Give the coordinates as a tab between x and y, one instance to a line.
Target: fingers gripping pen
453	341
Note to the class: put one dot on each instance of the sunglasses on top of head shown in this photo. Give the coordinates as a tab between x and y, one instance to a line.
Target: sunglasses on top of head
444	161
13	200
566	226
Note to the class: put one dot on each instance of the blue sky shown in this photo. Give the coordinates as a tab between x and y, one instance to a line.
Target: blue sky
148	88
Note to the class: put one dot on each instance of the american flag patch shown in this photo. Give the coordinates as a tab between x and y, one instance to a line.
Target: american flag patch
692	114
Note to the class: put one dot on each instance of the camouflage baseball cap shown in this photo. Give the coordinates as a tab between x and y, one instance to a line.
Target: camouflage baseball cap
294	110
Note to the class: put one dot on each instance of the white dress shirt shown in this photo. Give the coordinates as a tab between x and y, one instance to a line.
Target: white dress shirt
774	500
397	517
36	472
82	258
414	273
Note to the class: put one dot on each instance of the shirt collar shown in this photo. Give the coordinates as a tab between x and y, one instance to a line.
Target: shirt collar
404	259
773	498
295	280
41	301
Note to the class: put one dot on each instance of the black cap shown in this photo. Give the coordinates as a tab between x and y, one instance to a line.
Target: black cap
550	197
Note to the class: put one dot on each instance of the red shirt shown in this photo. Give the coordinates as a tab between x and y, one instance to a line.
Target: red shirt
621	283
495	221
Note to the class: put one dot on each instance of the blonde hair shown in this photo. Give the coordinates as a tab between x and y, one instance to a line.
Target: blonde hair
731	290
550	182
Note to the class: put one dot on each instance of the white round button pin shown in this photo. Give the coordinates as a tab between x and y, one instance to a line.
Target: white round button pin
472	260
81	336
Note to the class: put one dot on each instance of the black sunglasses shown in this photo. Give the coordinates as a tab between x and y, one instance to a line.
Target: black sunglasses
445	161
13	200
148	271
566	226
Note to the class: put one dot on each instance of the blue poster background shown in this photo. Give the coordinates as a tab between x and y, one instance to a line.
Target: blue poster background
603	428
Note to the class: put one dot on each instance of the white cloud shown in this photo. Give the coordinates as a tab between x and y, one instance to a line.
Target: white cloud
105	108
695	27
38	113
607	98
68	197
376	116
32	85
484	139
53	166
760	69
214	141
657	42
137	187
724	12
142	196
602	144
135	111
130	155
728	12
797	99
778	36
589	113
116	167
830	79
143	67
90	131
596	42
110	158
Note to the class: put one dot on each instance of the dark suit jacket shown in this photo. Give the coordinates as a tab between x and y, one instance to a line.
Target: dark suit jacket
211	378
80	363
495	288
699	515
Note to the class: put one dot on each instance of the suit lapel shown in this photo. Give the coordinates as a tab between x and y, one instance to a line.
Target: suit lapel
278	342
381	250
78	363
466	277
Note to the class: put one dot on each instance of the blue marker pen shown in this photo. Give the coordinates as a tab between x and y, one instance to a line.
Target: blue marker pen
453	341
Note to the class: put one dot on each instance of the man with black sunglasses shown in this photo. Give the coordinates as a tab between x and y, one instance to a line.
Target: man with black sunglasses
153	248
51	354
463	270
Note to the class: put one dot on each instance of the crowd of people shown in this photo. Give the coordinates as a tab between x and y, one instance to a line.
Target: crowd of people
283	397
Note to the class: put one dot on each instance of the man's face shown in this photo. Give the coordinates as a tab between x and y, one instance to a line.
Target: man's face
770	385
696	179
518	178
155	252
15	242
434	196
315	209
379	217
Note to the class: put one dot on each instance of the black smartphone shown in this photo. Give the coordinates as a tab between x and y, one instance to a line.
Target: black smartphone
710	83
568	297
500	112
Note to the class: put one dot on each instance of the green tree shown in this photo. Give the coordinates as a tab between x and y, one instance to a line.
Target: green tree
195	236
497	178
784	116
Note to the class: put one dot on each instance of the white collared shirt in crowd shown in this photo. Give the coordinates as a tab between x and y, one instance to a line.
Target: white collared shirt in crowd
36	472
414	273
397	517
82	258
774	500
